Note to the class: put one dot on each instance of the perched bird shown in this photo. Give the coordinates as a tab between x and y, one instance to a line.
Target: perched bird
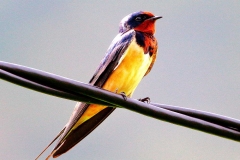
129	58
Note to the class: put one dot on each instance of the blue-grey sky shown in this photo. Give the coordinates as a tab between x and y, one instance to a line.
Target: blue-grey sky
197	67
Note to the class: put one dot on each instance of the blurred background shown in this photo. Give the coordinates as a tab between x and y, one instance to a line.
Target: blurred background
197	67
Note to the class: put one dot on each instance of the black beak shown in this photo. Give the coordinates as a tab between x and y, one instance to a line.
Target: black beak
155	18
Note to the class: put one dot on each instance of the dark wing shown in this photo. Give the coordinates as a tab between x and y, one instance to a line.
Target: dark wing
70	138
110	61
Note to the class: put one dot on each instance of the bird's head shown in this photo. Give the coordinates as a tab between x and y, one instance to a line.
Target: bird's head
139	21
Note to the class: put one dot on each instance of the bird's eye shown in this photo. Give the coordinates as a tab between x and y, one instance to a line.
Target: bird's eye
138	18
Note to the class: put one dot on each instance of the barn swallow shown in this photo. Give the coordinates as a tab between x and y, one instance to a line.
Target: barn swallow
129	58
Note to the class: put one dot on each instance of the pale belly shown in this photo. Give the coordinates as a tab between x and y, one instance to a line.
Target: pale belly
125	78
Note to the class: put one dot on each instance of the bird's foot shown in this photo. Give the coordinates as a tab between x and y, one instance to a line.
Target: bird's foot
123	95
146	99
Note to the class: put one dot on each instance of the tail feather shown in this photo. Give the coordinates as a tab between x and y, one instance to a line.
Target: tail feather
51	143
81	132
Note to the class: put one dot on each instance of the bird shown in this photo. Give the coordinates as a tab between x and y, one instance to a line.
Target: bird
128	59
